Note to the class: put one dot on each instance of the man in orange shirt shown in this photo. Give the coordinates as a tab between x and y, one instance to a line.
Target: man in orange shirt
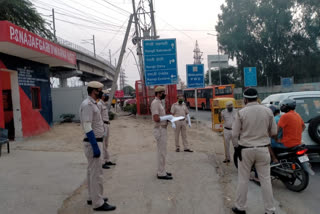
291	125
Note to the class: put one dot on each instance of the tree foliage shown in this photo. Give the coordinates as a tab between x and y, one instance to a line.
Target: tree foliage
128	90
279	37
23	14
230	75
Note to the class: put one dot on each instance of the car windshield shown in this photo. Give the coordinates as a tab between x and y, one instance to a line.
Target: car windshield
308	107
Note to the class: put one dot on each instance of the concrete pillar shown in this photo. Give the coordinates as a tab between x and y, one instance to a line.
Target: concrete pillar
63	82
16	105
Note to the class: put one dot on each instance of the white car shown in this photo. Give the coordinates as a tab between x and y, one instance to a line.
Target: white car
308	106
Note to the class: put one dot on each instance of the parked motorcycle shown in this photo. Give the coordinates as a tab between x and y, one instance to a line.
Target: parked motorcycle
293	168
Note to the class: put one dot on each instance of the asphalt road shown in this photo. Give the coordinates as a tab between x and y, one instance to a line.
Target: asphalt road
306	201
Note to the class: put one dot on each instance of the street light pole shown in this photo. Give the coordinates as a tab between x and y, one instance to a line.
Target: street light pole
210	82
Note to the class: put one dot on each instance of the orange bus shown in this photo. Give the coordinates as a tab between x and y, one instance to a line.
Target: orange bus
206	95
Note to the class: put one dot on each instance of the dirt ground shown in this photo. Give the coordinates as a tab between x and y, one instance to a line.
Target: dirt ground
202	183
132	185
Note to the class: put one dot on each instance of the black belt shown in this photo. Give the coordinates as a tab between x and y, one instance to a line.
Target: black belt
106	122
251	147
100	139
228	128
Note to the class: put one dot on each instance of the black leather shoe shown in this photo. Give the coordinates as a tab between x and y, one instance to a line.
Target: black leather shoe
169	174
89	202
105	207
105	166
188	150
237	211
177	150
166	177
226	161
109	163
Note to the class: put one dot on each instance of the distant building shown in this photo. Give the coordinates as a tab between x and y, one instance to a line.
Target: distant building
25	93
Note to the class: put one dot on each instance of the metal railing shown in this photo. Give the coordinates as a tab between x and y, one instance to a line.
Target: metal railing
83	50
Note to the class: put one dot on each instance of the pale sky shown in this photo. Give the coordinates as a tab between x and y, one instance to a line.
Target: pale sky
185	20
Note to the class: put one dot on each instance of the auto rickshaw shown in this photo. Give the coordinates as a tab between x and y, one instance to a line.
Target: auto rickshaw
218	105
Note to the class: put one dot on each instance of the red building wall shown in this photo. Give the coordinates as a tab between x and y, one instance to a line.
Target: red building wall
5	84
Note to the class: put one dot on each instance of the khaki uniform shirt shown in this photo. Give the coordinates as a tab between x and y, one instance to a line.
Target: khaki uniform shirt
228	117
255	125
103	107
157	108
179	110
89	112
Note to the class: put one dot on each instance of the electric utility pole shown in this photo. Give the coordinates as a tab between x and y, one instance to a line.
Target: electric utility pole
145	27
93	43
118	69
54	25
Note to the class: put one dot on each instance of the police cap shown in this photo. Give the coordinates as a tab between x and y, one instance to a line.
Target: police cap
95	84
250	93
160	89
229	103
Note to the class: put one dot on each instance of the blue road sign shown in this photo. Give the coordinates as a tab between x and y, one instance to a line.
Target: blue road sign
195	76
160	62
250	76
287	82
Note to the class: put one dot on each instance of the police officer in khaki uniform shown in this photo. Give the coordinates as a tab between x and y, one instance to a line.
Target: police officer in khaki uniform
254	124
92	124
228	115
103	107
160	131
180	109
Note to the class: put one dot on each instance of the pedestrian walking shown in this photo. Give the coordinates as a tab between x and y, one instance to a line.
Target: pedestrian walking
254	124
92	124
160	132
228	116
180	109
103	107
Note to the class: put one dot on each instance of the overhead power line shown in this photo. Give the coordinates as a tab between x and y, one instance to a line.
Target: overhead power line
80	18
122	13
89	8
117	7
114	35
88	26
72	10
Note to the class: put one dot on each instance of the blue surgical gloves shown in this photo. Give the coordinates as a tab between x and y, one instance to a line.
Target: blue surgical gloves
94	144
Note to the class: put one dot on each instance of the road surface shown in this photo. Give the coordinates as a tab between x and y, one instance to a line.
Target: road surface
291	202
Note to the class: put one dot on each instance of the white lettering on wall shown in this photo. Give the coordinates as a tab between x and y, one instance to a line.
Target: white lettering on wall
25	38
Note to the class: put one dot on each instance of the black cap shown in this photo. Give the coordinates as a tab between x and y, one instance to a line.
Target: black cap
250	93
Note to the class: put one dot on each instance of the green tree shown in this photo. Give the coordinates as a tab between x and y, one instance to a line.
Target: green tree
128	90
23	14
273	36
230	75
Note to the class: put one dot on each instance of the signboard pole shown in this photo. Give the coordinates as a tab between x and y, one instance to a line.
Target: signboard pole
196	103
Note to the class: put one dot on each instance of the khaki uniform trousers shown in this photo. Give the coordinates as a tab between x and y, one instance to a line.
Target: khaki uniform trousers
94	176
228	139
106	156
181	127
160	134
260	158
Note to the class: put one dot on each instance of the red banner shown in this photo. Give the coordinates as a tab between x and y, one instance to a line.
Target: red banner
119	94
19	36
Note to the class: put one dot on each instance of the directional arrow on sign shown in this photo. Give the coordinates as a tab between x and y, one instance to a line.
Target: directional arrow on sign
171	61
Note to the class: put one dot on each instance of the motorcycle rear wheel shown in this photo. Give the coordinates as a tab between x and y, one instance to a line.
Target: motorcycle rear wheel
299	175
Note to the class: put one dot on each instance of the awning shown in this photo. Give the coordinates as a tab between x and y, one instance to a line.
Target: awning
19	42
